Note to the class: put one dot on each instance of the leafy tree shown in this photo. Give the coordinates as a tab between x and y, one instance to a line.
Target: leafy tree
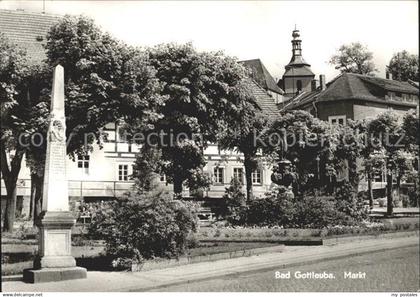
387	136
147	169
301	139
411	125
15	112
349	144
201	91
373	164
246	124
353	58
404	66
105	80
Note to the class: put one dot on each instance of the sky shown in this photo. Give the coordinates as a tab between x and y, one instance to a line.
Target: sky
254	29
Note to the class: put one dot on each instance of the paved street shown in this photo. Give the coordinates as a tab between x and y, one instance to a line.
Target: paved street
392	270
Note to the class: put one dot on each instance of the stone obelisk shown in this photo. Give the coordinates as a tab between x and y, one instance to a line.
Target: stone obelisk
54	261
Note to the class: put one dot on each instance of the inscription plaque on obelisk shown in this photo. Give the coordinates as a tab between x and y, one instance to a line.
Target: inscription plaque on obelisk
54	261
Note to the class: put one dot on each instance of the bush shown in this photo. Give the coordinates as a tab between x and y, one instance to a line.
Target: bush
277	209
144	227
414	197
318	212
233	208
308	211
348	202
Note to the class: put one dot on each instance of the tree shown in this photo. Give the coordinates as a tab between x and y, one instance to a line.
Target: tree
105	80
247	123
348	147
15	110
386	136
200	90
147	169
302	139
353	58
404	66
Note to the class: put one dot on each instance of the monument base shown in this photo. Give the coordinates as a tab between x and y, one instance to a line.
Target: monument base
54	262
53	274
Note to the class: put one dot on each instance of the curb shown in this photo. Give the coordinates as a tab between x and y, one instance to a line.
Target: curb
186	260
344	239
283	241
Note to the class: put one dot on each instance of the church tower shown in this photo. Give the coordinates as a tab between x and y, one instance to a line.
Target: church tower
298	75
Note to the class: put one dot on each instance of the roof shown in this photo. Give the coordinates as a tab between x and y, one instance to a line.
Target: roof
298	60
264	101
348	86
28	30
298	71
301	99
413	83
261	75
357	86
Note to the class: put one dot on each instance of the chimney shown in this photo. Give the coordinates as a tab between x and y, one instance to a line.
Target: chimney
313	85
322	82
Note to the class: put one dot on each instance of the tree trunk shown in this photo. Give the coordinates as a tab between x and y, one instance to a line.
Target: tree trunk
398	186
38	197
248	177
32	200
353	176
10	175
178	187
390	206
370	190
10	213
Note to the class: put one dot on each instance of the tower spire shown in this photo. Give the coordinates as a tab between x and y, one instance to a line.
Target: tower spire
297	49
298	74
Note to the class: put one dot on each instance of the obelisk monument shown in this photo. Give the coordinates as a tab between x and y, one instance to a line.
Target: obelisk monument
54	261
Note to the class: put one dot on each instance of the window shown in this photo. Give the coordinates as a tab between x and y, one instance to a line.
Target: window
238	173
219	175
83	163
163	178
123	172
256	177
337	120
299	85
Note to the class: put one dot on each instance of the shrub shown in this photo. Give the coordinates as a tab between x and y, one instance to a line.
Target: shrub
414	197
348	202
233	208
317	212
277	208
144	227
